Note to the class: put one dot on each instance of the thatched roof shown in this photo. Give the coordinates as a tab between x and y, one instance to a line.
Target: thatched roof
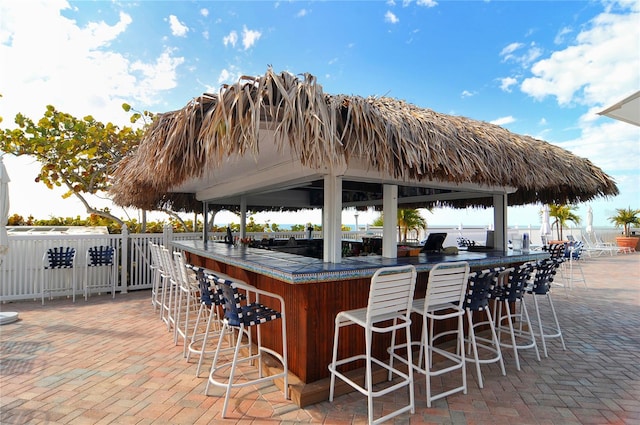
396	138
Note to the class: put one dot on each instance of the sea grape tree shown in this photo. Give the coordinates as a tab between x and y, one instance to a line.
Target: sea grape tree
79	154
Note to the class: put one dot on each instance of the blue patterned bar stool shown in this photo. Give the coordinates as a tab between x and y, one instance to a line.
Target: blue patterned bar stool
100	257
545	270
210	304
241	311
481	285
510	290
60	259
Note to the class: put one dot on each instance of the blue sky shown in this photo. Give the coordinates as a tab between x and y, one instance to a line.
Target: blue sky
540	68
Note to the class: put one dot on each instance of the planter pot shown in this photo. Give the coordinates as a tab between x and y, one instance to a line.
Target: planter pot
628	242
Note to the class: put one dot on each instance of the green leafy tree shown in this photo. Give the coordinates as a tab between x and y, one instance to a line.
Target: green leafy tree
625	218
79	154
562	215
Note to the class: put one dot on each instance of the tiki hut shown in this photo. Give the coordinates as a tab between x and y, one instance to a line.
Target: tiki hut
277	141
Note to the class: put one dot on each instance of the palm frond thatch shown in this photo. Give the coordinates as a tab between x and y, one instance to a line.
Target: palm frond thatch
395	137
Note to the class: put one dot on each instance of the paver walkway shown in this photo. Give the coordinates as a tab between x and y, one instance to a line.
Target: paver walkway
113	362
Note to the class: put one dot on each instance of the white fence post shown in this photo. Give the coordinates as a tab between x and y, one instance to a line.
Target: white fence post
167	235
124	258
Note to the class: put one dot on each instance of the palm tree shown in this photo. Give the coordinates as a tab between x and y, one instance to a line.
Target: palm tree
563	214
408	219
625	218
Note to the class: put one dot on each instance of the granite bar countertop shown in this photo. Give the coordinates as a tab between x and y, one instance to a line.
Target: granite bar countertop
298	269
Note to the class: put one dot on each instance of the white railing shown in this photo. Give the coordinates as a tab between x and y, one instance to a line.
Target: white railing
22	273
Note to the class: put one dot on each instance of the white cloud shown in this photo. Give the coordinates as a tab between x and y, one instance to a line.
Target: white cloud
391	18
178	29
507	52
406	3
503	120
562	34
230	39
506	83
204	12
427	3
524	56
302	13
228	76
81	75
601	66
467	93
250	37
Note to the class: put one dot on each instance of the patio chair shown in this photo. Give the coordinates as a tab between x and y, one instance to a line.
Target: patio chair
510	290
605	247
102	260
241	313
389	309
444	300
544	272
59	262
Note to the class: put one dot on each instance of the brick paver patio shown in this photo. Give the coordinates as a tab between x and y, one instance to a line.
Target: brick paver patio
113	362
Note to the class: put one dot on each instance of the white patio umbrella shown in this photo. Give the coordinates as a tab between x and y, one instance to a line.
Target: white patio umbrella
589	220
5	316
545	228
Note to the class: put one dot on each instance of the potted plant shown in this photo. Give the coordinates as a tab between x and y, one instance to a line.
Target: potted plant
625	218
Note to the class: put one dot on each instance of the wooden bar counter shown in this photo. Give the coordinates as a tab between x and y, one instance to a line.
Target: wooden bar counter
314	292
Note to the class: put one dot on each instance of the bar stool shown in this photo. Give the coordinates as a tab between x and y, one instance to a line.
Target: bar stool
169	282
62	259
240	313
573	260
510	290
443	301
156	276
100	257
542	281
481	284
208	313
187	293
389	309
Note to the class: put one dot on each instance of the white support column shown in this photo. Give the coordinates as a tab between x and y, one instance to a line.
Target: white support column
390	216
500	221
205	222
332	219
243	217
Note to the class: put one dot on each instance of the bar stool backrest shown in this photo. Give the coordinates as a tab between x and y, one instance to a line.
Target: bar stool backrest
556	250
100	256
545	270
60	257
481	285
447	284
391	291
513	282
